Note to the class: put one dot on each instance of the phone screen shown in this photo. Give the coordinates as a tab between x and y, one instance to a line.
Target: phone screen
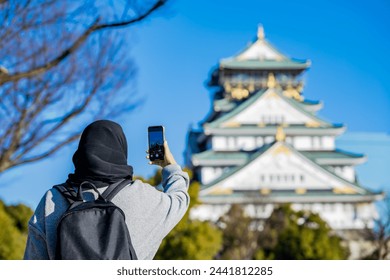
156	143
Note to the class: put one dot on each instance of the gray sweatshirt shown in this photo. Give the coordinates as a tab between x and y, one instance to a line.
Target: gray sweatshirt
150	214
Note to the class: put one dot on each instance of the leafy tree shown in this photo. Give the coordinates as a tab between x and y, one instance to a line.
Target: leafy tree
63	63
191	239
239	239
298	235
13	233
20	214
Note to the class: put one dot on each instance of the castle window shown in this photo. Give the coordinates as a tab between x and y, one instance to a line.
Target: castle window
272	119
231	143
262	178
355	212
316	142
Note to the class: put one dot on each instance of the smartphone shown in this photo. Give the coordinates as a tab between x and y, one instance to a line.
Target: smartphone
156	142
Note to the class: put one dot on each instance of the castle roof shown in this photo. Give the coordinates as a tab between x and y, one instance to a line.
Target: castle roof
229	158
261	55
286	157
298	107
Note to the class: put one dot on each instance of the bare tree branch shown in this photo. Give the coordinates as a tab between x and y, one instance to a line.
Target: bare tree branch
59	71
95	26
157	5
49	152
379	235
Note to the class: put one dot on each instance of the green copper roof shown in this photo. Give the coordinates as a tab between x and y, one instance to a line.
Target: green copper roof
270	130
262	55
292	193
224	157
289	197
214	155
264	64
220	158
224	105
336	154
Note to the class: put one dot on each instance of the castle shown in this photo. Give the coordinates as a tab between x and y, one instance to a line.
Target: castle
263	144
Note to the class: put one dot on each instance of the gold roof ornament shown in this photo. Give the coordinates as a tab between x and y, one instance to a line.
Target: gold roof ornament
300	190
312	124
271	83
251	86
231	124
344	190
221	191
227	86
260	32
240	93
300	87
265	191
281	149
292	92
280	134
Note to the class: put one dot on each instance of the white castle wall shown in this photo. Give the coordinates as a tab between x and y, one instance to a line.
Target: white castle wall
339	216
249	143
271	109
346	172
210	173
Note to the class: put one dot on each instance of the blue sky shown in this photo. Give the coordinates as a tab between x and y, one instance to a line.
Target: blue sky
347	42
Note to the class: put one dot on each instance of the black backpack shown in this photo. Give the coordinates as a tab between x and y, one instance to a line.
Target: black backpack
93	230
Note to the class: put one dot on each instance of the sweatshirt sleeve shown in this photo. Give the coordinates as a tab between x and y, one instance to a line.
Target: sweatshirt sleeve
175	183
151	214
36	247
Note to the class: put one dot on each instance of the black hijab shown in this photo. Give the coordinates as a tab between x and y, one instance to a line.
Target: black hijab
101	156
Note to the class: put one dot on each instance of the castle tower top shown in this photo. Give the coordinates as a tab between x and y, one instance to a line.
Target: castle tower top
260	32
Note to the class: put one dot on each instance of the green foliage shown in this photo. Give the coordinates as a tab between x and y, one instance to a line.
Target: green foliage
191	239
13	233
298	235
239	240
21	214
286	234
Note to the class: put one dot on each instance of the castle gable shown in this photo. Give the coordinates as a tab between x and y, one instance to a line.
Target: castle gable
280	167
269	107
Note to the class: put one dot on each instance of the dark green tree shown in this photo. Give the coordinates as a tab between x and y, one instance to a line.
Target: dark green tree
13	233
20	214
239	235
298	235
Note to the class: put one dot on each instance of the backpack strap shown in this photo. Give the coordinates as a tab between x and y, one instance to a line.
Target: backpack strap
67	191
71	195
113	189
